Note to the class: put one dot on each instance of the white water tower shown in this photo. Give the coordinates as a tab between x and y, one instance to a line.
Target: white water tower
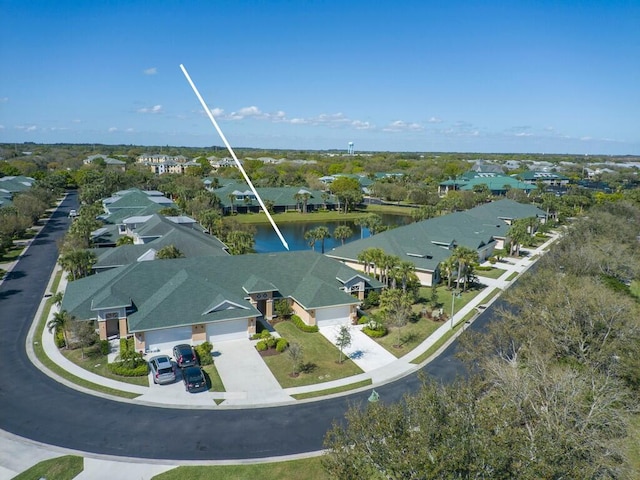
350	151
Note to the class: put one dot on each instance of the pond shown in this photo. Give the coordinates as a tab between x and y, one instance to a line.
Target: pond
267	240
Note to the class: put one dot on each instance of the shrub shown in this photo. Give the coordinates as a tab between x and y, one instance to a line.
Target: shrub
58	338
363	320
265	334
256	336
375	333
123	345
129	364
203	351
271	342
297	321
282	344
371	300
104	347
282	308
121	368
261	346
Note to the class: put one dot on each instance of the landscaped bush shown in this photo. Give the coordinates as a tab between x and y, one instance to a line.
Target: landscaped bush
203	351
363	320
282	344
123	345
120	368
297	321
482	268
371	300
58	338
104	347
381	332
129	364
261	346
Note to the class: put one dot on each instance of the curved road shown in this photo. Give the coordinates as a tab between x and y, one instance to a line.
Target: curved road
37	407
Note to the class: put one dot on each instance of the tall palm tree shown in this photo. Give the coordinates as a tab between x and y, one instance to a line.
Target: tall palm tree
322	233
240	242
342	232
60	322
403	271
77	263
310	237
464	258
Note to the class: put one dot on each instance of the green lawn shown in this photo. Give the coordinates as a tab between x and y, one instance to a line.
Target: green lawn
330	391
320	354
305	469
320	216
409	337
96	363
494	273
61	468
215	381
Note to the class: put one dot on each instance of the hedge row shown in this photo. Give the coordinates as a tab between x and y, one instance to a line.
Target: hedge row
119	368
297	321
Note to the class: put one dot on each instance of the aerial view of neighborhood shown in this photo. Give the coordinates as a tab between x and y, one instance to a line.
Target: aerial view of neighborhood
321	252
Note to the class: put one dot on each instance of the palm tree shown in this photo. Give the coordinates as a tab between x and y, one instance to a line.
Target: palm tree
518	234
446	270
169	251
464	258
240	242
59	322
322	233
124	240
404	270
310	237
232	198
56	298
77	263
342	232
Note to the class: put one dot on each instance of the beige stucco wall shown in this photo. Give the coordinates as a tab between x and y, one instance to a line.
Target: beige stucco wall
140	342
307	317
198	334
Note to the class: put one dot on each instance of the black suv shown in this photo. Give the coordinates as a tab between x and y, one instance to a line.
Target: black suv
194	380
185	355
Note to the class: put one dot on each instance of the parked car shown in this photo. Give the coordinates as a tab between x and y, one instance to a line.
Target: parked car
162	369
73	213
185	355
194	380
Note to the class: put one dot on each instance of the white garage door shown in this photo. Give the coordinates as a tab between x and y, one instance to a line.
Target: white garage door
332	316
166	338
230	330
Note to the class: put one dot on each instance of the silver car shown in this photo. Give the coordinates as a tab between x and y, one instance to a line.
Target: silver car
162	369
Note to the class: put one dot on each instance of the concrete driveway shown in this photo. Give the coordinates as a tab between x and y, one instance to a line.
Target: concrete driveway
245	375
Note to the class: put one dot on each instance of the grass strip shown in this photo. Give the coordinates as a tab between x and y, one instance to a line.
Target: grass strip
330	391
60	468
512	276
436	346
304	469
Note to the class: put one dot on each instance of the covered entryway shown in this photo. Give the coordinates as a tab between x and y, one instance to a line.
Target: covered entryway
333	316
229	330
166	338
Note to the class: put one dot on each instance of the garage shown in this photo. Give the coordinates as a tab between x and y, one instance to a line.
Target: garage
332	316
229	330
166	338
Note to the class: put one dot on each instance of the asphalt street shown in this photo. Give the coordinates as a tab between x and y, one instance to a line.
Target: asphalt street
37	407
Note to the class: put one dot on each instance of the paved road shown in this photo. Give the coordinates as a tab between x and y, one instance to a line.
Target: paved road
37	407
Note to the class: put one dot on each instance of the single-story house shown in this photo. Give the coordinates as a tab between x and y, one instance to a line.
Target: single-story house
192	300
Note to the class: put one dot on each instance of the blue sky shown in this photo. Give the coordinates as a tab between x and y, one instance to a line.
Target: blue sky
491	76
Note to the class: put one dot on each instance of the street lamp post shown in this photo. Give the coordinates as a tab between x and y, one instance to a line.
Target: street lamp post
453	304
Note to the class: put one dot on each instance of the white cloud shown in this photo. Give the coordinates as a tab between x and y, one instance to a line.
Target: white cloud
434	120
150	71
130	130
154	109
113	129
586	139
360	125
298	121
216	112
4	99
402	126
27	128
1	127
524	134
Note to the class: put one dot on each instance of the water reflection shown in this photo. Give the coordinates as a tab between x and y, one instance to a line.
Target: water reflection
267	240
